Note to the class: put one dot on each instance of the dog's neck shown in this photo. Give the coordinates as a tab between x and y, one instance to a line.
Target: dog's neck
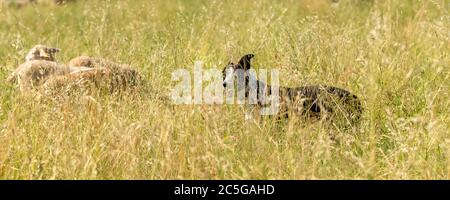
261	88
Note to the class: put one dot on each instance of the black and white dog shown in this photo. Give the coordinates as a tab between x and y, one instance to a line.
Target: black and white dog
318	101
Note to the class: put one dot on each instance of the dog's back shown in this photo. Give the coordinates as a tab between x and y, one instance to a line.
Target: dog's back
326	101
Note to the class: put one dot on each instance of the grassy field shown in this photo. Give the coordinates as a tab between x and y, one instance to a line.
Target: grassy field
394	55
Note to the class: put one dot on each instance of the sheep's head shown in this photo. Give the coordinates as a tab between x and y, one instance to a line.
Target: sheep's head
83	61
41	52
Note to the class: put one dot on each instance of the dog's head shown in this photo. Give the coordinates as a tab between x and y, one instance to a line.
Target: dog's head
41	52
230	70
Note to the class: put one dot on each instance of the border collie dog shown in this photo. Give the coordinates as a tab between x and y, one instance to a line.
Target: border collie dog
314	101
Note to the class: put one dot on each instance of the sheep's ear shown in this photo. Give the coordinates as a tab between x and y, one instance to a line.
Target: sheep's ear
54	50
244	63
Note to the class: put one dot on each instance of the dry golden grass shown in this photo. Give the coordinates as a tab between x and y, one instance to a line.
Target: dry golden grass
394	55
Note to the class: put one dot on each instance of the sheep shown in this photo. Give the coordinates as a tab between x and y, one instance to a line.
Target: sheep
98	73
92	62
120	74
98	78
79	80
40	64
41	68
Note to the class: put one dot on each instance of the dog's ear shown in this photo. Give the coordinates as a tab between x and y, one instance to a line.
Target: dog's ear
244	63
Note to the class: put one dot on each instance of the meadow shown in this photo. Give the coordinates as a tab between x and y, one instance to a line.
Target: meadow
394	55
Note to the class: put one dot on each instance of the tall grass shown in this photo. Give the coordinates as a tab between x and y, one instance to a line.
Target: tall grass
394	55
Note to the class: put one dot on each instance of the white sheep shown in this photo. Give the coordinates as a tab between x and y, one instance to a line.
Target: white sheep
40	64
